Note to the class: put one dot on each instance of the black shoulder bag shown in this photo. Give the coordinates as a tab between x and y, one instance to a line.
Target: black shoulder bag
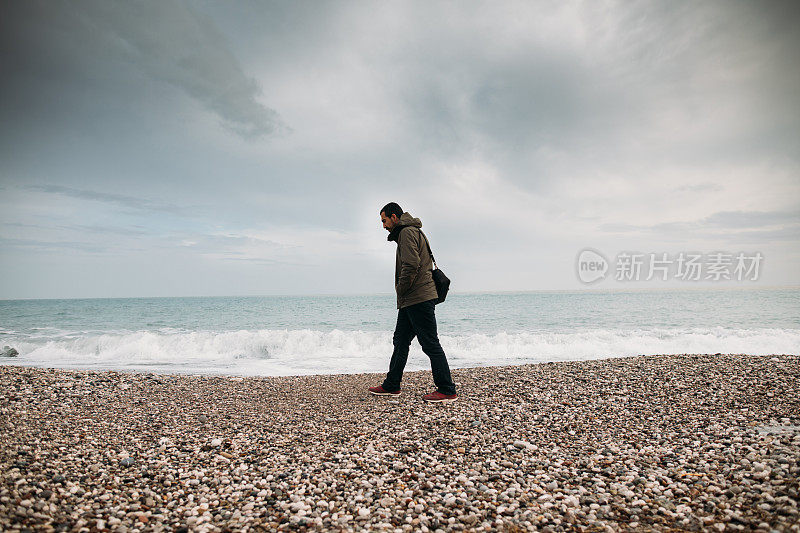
441	281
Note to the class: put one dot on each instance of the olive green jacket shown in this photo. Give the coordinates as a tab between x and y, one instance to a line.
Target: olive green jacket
413	281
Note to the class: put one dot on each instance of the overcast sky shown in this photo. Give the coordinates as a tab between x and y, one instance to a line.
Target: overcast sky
236	148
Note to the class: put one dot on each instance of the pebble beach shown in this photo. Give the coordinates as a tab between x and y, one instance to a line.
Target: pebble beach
649	443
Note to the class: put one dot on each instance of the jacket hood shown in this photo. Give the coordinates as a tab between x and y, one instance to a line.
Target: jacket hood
405	221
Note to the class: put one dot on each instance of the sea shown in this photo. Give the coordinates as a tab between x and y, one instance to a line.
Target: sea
297	335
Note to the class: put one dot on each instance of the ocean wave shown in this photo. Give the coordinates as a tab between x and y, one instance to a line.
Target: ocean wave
287	352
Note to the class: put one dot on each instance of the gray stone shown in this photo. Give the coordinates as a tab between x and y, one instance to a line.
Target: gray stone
8	351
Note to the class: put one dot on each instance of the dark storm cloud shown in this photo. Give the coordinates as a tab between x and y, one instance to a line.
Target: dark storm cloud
167	41
516	128
618	87
173	43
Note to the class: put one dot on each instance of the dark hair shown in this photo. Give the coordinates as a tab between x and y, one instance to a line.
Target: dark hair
392	209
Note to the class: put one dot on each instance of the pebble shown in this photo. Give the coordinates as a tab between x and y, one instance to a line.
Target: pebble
686	442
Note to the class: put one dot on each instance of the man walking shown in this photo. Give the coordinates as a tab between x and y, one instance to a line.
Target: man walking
416	298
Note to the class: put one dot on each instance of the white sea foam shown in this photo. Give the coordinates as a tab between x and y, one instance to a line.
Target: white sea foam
294	352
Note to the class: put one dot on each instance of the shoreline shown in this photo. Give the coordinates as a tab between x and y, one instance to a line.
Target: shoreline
17	362
659	442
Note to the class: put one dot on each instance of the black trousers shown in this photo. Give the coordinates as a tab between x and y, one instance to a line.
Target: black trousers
418	320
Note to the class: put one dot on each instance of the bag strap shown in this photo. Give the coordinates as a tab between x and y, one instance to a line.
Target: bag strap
429	250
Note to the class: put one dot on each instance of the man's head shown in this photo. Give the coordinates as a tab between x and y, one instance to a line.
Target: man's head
390	215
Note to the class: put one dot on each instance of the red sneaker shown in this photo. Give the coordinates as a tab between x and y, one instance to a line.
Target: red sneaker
438	397
380	391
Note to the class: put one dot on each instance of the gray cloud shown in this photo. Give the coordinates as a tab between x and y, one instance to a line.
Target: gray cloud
619	87
109	230
52	246
700	187
230	256
736	226
752	219
131	231
168	41
174	43
219	243
522	129
129	202
243	249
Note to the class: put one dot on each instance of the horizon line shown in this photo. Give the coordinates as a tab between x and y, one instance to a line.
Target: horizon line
452	293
